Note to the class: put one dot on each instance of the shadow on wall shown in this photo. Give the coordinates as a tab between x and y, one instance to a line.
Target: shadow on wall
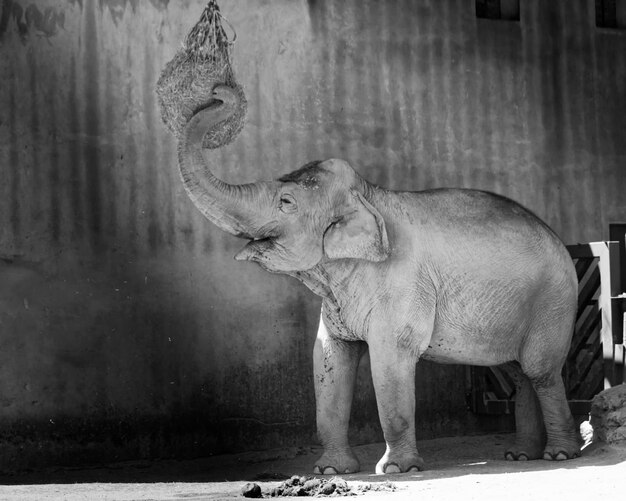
96	369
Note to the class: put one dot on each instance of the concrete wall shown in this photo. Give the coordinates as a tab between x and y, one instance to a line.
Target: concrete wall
127	330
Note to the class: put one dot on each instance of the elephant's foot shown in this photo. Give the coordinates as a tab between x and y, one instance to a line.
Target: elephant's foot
524	451
399	463
335	463
561	452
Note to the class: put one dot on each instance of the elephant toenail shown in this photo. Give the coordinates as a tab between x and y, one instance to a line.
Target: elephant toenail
329	470
414	468
522	457
317	471
547	456
561	456
392	468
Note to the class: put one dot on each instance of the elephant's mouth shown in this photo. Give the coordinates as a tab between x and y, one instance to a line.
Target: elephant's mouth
256	248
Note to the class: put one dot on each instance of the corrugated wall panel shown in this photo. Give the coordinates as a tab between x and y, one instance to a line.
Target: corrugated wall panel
131	305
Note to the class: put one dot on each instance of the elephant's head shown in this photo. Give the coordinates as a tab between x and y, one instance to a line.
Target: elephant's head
318	212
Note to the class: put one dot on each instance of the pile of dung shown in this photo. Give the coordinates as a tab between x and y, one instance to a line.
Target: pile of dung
315	487
187	81
311	486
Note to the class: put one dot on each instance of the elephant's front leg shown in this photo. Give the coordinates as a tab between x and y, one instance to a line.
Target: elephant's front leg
335	364
393	374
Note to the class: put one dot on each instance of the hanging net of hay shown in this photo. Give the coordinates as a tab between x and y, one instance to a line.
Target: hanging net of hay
186	83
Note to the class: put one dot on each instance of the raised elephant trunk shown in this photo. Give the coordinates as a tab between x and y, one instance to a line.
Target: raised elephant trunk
228	206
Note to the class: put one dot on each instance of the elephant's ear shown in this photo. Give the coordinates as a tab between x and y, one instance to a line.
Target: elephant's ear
359	233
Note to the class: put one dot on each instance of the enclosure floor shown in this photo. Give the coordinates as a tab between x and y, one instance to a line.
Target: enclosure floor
468	468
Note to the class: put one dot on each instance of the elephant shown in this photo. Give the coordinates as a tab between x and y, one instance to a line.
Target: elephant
449	275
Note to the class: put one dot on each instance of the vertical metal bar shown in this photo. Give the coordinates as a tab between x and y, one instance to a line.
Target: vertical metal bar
617	304
608	251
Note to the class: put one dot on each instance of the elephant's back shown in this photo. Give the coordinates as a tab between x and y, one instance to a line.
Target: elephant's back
474	209
451	227
481	229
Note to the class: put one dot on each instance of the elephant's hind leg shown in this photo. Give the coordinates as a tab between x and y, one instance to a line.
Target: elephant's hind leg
530	433
563	439
542	365
541	358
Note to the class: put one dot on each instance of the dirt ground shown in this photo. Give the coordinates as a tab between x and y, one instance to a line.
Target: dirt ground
470	468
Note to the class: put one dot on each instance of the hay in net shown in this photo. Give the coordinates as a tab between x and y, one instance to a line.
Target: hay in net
187	81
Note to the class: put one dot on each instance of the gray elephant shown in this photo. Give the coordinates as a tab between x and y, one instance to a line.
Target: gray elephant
449	275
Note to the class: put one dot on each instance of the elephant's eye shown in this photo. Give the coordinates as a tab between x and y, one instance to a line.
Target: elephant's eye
287	203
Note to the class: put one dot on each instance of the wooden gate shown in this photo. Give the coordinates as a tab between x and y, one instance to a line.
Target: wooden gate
596	356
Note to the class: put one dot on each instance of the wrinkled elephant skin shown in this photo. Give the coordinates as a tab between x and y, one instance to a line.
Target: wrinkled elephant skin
449	275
